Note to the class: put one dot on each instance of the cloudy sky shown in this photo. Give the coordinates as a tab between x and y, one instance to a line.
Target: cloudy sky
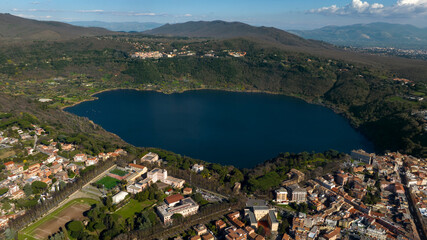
285	14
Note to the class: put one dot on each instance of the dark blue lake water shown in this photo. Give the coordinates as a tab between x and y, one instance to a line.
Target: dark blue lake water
240	129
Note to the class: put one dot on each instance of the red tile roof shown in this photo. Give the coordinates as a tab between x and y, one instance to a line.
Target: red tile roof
174	198
136	166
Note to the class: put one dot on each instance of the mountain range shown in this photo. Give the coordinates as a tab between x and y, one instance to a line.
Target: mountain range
17	28
119	26
225	30
370	35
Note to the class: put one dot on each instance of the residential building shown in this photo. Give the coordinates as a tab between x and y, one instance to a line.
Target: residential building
80	157
197	168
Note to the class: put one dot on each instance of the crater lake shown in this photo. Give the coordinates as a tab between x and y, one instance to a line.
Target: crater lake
230	128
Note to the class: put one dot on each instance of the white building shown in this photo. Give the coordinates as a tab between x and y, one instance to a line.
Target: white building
157	174
119	197
176	204
197	168
151	158
80	157
91	161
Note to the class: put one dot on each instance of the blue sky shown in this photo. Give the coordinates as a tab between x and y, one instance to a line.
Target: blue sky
285	14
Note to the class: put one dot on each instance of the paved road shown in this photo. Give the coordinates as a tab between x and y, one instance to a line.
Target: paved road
79	193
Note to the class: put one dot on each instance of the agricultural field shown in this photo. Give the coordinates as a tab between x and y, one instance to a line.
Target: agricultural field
51	223
108	182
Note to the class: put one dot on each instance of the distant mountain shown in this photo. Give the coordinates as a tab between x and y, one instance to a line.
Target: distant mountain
120	26
225	30
17	28
370	35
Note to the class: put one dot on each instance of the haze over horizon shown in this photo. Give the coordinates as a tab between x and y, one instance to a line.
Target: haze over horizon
284	14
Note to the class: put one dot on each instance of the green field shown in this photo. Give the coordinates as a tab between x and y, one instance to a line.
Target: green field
119	172
27	232
133	207
108	182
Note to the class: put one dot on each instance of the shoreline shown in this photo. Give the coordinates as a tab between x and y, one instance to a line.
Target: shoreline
93	98
342	113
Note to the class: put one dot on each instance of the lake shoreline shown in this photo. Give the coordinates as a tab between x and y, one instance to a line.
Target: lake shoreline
203	120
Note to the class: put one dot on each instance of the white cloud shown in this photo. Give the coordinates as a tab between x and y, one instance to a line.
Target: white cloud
188	15
90	11
363	8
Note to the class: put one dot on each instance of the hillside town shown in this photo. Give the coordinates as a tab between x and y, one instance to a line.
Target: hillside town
370	196
46	169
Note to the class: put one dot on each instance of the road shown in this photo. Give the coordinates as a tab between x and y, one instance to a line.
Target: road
413	210
79	193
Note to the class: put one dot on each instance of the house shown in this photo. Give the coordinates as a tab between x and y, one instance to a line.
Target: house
67	147
13	188
120	151
341	179
10	165
71	167
17	195
80	157
51	158
208	236
234	233
91	161
200	229
47	180
333	234
119	197
187	191
197	168
220	225
56	168
103	156
61	176
18	169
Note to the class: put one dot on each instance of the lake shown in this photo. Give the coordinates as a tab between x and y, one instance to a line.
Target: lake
240	129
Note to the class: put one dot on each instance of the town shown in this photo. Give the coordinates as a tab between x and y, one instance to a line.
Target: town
374	196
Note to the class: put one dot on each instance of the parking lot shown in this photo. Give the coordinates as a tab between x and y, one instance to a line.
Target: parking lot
209	196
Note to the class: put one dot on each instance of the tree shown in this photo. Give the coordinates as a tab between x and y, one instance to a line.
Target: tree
283	226
75	227
38	187
28	190
10	234
3	191
177	217
260	230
